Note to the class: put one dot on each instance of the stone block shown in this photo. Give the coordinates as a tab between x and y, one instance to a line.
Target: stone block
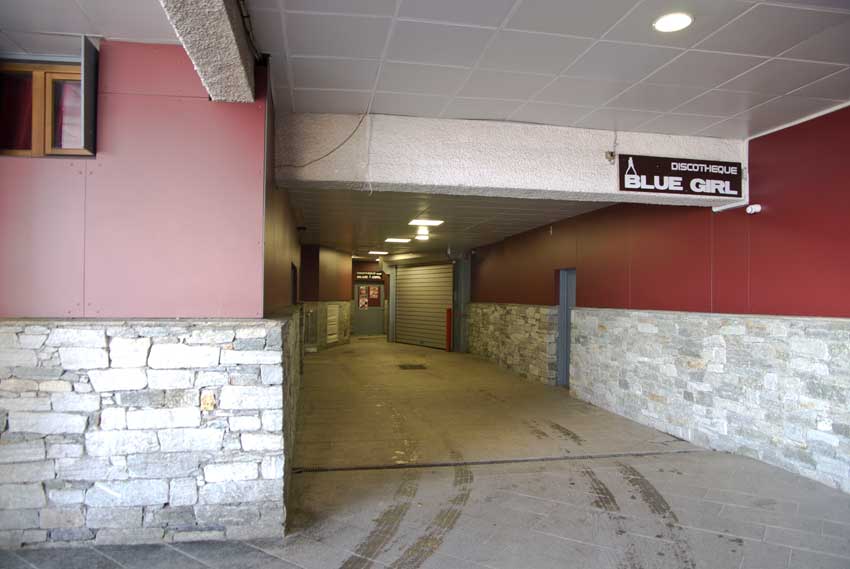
83	358
11	357
200	535
21	496
9	340
113	419
163	418
25	451
109	536
108	443
89	468
129	379
163	465
255	357
55	386
46	423
177	356
50	518
18	385
145	398
272	420
127	493
251	332
129	352
211	379
210	336
38	373
271	375
85	403
241	491
18	519
176	440
809	347
182	517
170	378
27	471
31	341
65	497
64	450
262	442
180	398
251	397
97	518
71	534
222	472
183	492
272	467
250	344
76	338
219	515
25	404
244	423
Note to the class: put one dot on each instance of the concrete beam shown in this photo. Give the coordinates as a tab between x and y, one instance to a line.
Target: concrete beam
486	158
213	35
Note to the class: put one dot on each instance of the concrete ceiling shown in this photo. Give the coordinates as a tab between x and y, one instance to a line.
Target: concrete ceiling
51	28
740	69
357	222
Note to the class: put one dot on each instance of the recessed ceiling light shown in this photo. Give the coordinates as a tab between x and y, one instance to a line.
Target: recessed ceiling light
422	238
673	22
378	253
421	230
430	222
397	240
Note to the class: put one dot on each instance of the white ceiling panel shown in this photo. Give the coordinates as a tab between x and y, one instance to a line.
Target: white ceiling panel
7	45
331	101
538	53
570	17
577	91
424	42
782	111
409	104
370	7
617	119
770	30
833	87
723	103
685	125
47	44
701	69
132	20
319	73
730	128
489	109
53	16
335	35
832	45
475	12
503	84
779	76
421	78
623	62
648	97
267	28
550	113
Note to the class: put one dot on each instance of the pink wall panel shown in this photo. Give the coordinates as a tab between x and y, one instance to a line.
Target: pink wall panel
175	209
148	69
41	237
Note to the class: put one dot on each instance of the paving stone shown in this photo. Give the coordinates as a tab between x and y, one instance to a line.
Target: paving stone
76	558
150	557
108	536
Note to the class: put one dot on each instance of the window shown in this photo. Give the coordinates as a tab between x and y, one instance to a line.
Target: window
41	106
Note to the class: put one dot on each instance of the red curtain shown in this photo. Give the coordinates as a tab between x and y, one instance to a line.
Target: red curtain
16	111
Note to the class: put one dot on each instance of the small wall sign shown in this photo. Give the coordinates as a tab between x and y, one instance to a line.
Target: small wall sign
659	175
369	276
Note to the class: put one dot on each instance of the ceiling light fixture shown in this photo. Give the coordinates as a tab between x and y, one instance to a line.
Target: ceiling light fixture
422	238
397	240
429	222
421	230
673	22
378	252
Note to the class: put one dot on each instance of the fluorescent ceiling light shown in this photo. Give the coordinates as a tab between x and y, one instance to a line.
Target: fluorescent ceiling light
422	238
430	222
422	230
378	253
673	22
397	240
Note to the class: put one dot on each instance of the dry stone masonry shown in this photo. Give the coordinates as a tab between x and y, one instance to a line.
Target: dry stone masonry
521	338
773	388
144	431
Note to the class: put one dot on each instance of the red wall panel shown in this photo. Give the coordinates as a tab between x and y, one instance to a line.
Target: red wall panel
602	273
730	267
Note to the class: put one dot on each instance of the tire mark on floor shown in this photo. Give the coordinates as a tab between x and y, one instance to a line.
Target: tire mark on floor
607	501
536	431
565	433
659	506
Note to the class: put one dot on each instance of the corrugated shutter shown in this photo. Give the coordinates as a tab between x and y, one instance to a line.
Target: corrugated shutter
333	323
422	297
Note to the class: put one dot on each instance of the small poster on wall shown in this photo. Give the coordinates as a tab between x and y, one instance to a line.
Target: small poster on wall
375	296
363	297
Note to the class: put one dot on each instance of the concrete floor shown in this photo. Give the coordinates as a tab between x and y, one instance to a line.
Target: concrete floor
396	468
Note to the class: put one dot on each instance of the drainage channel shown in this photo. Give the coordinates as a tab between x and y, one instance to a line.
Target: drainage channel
447	464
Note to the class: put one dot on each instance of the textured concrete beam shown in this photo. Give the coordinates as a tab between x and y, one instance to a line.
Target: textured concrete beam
213	35
486	158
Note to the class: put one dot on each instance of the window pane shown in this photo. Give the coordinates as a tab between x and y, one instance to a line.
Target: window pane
67	114
16	110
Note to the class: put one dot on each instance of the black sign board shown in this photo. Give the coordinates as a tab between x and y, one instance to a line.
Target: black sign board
657	175
369	276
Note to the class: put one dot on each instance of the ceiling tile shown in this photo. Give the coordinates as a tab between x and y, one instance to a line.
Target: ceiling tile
572	17
278	68
619	61
708	16
535	53
268	31
334	73
492	109
343	36
142	20
437	43
347	102
782	111
576	91
723	103
833	45
503	84
45	16
700	69
679	124
730	128
833	87
421	78
778	76
408	104
476	12
770	30
549	113
616	119
370	7
46	44
263	5
647	97
8	46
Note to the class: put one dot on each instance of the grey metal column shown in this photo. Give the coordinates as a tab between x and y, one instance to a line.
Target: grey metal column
392	272
566	302
460	308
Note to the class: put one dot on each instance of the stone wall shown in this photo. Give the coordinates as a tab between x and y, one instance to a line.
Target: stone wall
519	337
316	324
773	388
144	431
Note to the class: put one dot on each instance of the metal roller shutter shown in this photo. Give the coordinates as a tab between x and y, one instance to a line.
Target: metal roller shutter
422	297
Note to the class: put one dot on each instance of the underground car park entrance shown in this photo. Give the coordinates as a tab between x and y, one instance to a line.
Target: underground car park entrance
415	283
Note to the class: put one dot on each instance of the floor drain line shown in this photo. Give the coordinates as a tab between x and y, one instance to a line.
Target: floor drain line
447	464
